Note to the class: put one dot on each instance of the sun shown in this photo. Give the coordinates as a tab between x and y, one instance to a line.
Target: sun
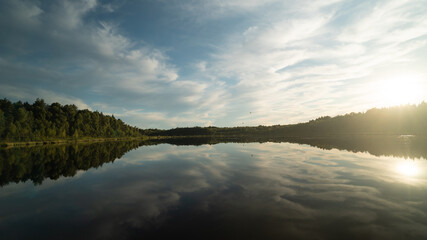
400	90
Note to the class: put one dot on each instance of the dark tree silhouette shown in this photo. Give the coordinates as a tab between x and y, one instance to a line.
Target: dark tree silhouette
401	120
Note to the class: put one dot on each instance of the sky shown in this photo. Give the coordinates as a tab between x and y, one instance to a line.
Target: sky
179	63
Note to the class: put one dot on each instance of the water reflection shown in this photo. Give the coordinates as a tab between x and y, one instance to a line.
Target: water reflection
38	163
407	168
225	191
406	146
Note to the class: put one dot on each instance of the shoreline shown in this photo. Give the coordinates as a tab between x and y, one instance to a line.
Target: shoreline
9	144
6	144
65	141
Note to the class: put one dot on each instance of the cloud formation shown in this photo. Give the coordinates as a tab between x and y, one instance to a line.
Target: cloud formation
60	51
319	60
224	63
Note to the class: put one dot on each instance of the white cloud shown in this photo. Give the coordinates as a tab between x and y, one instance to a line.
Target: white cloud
69	14
214	9
201	66
308	64
301	60
93	58
388	22
145	119
24	13
30	95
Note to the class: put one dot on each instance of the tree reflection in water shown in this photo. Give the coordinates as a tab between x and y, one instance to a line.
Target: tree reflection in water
226	191
39	163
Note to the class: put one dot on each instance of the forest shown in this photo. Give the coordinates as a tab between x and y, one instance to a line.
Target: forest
399	120
40	121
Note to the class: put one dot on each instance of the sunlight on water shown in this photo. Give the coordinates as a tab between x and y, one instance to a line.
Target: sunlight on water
249	190
407	168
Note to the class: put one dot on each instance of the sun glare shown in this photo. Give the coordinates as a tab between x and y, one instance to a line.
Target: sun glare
400	90
407	168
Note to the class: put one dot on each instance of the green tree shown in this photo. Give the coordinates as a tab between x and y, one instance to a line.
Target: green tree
2	123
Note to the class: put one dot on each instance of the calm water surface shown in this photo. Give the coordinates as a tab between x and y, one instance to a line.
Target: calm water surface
222	191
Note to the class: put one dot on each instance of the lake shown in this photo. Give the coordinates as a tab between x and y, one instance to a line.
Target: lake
309	189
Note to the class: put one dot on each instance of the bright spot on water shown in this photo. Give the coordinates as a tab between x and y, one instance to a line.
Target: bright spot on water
407	168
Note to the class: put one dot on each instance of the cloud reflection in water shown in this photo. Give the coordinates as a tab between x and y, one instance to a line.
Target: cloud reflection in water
270	190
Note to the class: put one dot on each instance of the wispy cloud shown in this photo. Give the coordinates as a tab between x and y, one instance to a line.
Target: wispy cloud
301	60
91	59
318	59
30	95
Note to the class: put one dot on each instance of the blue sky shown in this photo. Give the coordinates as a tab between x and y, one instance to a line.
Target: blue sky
177	63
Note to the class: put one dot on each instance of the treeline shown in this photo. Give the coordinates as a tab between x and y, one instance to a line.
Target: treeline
40	121
401	120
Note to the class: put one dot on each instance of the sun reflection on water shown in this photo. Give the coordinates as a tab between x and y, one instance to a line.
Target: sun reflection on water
407	168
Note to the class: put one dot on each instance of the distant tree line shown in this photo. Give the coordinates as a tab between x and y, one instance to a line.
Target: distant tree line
401	120
40	121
